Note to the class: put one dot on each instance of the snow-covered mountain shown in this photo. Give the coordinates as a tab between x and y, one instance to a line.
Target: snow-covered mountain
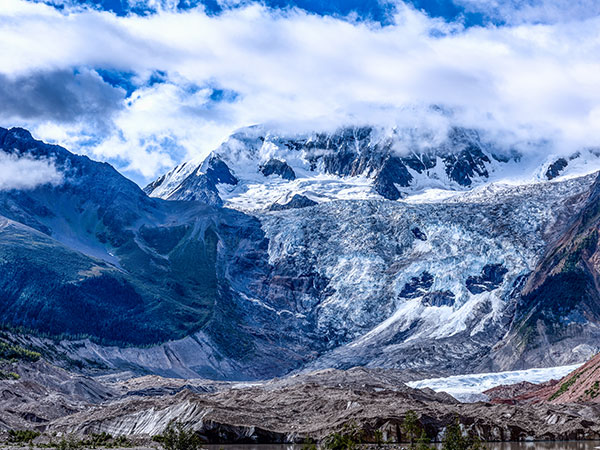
338	276
258	169
430	282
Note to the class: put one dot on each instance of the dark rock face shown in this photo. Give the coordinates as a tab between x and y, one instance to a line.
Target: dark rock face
352	152
355	151
297	201
556	168
417	286
198	188
392	172
491	278
203	187
463	166
416	231
421	162
439	298
277	167
218	172
341	156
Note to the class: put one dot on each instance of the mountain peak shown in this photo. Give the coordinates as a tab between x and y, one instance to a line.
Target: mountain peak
353	162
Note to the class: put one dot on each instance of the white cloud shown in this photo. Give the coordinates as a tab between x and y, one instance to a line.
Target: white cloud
519	83
26	172
537	11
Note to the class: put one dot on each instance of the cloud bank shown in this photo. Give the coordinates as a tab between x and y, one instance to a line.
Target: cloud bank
146	92
26	172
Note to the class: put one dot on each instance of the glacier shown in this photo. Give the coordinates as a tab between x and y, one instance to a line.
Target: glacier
469	388
389	252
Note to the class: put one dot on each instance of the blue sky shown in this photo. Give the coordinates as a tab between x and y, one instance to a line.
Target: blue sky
364	9
147	84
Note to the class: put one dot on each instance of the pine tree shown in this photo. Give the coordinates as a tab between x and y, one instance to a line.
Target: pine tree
455	440
411	427
423	442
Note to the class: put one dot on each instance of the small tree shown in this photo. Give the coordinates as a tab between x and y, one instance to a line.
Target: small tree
349	438
379	441
22	436
309	444
68	442
176	437
423	442
475	443
455	440
411	427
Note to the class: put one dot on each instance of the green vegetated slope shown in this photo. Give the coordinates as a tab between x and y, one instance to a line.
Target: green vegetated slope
562	295
94	256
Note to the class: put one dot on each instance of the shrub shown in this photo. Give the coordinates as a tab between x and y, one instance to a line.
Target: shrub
309	444
455	440
411	427
68	442
423	442
105	440
22	436
379	441
349	438
16	352
121	442
566	385
9	375
176	437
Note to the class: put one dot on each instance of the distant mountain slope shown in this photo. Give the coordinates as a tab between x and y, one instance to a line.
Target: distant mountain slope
94	256
582	385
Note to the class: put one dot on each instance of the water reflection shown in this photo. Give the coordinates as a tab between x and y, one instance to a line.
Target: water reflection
254	447
571	445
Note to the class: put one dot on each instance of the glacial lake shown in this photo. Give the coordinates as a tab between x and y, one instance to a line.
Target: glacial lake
561	445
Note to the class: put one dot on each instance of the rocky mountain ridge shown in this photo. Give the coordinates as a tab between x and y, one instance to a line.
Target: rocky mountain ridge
258	168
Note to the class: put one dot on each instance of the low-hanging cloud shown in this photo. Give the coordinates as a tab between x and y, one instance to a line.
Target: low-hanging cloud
25	172
60	96
520	83
533	11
